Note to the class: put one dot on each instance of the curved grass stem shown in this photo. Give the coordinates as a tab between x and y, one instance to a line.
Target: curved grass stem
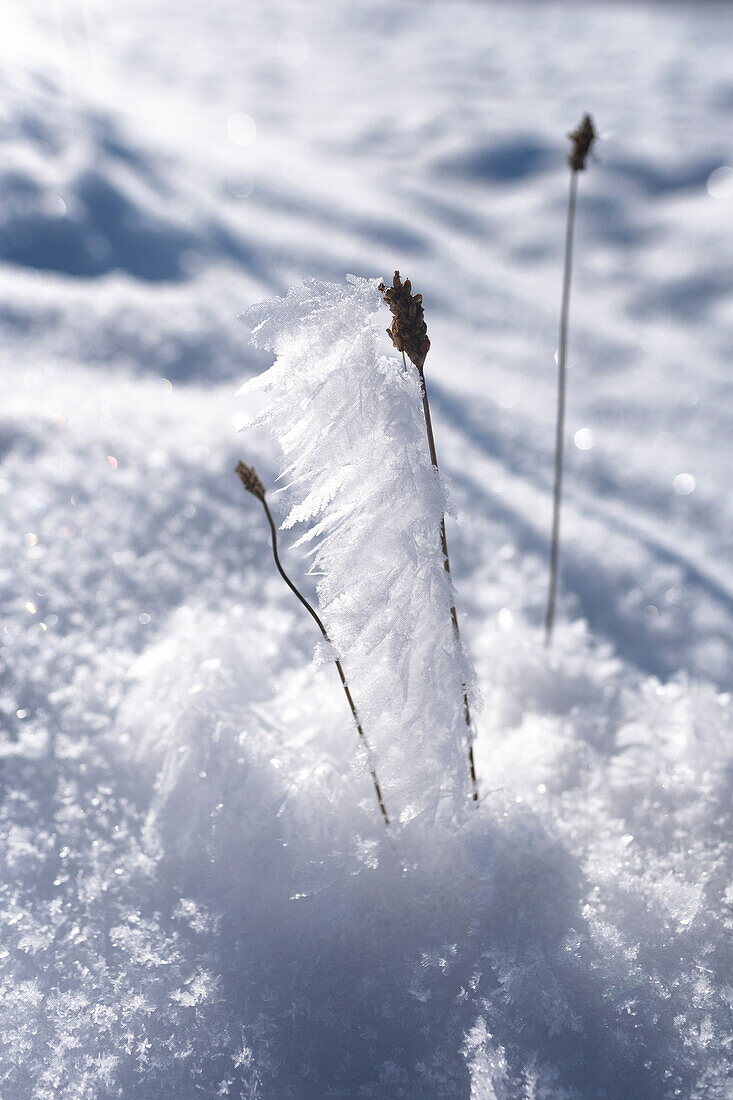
254	486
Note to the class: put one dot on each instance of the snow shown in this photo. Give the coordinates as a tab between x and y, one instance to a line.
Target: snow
198	897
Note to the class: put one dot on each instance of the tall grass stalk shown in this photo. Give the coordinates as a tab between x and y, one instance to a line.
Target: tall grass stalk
253	485
409	334
582	139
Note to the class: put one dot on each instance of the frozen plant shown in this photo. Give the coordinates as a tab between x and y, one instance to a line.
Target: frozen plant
358	476
409	334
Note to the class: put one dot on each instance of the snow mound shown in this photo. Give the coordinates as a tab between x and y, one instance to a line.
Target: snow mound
249	928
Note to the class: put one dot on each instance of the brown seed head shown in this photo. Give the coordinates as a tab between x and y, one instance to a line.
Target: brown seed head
582	139
250	480
409	333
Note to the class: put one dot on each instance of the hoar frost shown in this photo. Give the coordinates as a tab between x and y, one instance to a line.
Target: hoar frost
358	475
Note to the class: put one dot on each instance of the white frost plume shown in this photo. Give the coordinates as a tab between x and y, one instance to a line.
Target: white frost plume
350	425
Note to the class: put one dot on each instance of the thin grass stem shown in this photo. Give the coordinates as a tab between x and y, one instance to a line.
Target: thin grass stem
254	486
560	424
582	139
453	612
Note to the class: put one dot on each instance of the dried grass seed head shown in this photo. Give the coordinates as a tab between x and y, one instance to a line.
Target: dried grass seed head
408	331
582	139
250	480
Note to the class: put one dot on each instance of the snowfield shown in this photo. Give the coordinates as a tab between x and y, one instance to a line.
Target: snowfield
198	896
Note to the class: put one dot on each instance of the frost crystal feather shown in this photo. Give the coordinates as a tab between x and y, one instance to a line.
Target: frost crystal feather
358	477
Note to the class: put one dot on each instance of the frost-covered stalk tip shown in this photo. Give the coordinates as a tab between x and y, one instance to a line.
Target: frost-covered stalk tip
253	485
409	334
358	476
582	139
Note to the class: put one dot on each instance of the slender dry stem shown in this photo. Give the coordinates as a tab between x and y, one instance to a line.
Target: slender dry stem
253	485
582	139
453	612
409	334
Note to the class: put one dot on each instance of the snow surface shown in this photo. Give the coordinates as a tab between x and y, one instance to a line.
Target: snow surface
198	895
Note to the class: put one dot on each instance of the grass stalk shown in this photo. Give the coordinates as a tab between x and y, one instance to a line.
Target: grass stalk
582	139
253	485
453	612
409	334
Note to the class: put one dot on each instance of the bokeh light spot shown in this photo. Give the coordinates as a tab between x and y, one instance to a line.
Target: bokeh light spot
720	183
583	439
241	128
684	484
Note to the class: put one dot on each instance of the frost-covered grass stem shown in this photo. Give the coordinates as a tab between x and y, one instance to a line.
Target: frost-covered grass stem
453	612
409	334
582	139
253	485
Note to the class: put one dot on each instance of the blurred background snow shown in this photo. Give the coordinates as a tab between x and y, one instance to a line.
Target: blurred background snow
197	896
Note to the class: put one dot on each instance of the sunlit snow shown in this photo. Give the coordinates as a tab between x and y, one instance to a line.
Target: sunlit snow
198	896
